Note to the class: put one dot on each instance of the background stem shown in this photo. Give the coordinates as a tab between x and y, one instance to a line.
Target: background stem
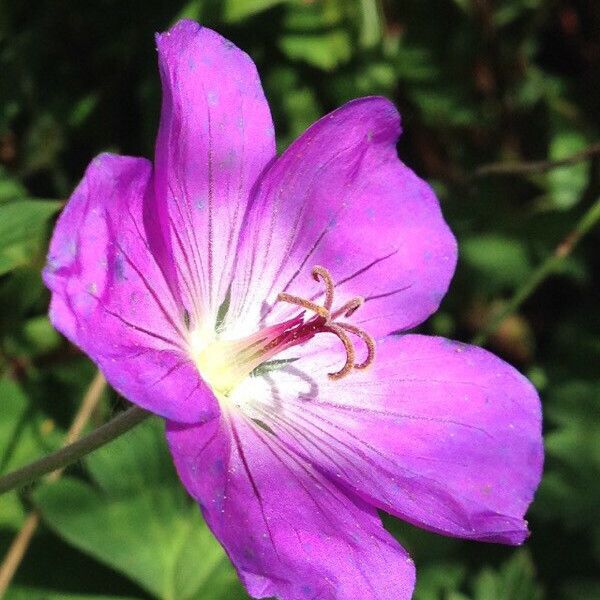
73	452
536	166
589	219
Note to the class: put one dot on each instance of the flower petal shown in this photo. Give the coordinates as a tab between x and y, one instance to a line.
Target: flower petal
110	297
339	197
444	435
289	532
215	137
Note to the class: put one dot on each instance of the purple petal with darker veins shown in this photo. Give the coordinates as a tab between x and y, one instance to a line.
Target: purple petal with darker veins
110	297
444	435
339	197
215	137
289	532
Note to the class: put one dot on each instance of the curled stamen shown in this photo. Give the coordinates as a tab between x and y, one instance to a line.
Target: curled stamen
329	323
321	273
350	354
349	308
367	339
304	303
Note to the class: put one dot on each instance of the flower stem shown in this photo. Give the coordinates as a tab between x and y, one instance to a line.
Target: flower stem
564	249
73	452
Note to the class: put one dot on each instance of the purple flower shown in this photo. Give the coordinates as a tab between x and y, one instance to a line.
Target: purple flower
249	300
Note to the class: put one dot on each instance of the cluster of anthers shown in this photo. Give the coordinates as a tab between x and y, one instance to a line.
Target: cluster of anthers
325	321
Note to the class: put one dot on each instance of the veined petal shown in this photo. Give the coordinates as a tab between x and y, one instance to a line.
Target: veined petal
444	435
339	197
289	532
215	137
110	297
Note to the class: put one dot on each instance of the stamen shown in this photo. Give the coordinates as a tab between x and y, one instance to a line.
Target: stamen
367	339
325	276
225	363
349	308
330	324
304	303
350	354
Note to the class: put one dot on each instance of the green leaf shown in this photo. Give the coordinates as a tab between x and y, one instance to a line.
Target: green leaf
570	489
137	518
323	50
26	593
415	64
497	262
10	189
465	5
567	184
515	580
12	513
21	227
302	108
535	86
38	337
511	10
237	10
310	17
437	581
444	108
24	436
19	295
82	110
371	26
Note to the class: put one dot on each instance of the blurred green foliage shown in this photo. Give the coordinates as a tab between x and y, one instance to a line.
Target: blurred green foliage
477	81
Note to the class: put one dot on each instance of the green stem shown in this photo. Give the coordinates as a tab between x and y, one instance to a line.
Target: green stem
73	452
589	219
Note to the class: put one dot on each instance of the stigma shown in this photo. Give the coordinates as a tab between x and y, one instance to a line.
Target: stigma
224	364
